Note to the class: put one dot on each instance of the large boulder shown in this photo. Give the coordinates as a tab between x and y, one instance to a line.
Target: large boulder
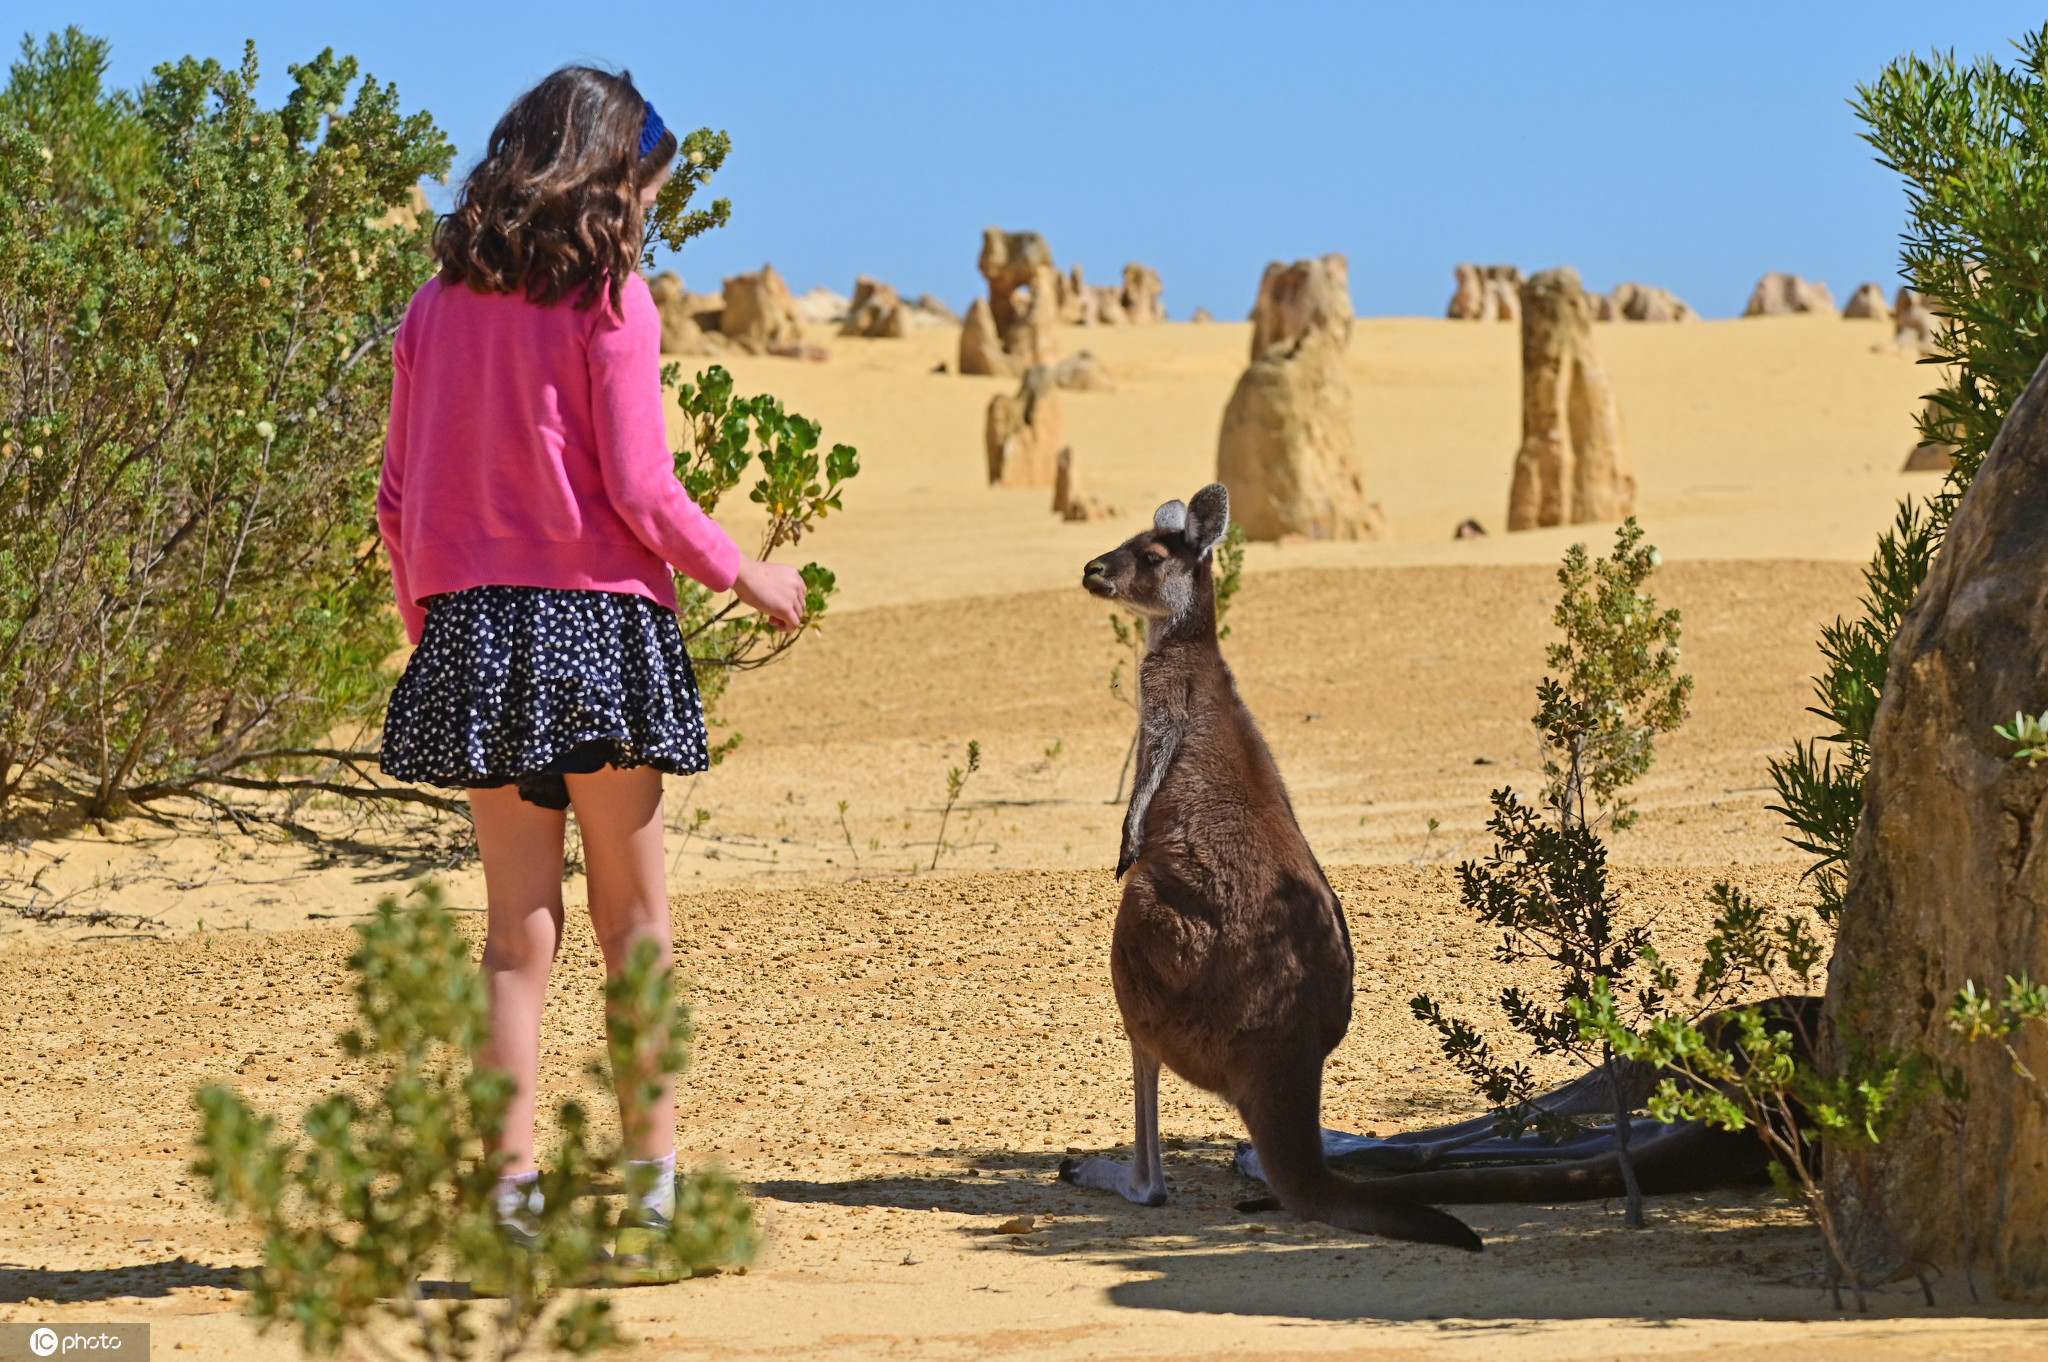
1573	465
1143	296
1288	450
1778	295
761	316
1867	304
1025	432
1486	293
1948	881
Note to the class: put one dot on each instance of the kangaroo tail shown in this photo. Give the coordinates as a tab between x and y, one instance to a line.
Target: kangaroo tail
1687	1157
1284	1119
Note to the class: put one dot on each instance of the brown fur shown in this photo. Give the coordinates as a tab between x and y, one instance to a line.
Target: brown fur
1232	961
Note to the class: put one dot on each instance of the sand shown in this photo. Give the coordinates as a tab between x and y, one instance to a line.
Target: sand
850	997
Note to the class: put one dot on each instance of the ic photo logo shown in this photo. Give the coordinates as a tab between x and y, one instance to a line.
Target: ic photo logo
34	1342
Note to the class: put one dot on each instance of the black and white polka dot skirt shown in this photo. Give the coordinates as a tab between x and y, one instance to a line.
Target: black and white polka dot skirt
521	685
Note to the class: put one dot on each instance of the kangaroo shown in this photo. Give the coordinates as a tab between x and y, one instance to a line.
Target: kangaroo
1231	959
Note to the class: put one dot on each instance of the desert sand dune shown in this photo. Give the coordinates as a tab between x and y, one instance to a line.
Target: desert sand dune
847	1005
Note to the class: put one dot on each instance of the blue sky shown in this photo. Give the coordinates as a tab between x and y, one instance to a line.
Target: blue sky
1693	147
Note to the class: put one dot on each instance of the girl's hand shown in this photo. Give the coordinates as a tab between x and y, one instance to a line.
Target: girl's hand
774	589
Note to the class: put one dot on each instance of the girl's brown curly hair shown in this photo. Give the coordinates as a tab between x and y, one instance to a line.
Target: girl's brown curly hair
554	206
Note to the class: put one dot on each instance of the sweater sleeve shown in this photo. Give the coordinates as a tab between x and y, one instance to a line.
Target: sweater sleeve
632	444
391	489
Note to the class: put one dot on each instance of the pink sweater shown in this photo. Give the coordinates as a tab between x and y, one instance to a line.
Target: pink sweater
527	449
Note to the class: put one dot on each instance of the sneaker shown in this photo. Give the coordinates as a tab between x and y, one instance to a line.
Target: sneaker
642	1256
521	1241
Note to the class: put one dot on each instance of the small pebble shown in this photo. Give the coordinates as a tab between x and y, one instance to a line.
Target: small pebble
1017	1224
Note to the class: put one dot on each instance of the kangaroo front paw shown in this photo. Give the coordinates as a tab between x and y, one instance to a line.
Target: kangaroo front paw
1107	1175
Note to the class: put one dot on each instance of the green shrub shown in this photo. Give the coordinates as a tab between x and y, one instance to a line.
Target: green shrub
1753	1068
196	305
376	1197
796	489
1545	885
1618	662
1970	140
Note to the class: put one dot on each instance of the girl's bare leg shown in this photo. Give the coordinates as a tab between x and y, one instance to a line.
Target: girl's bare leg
619	814
521	846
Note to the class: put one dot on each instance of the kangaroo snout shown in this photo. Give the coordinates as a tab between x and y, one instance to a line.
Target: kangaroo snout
1097	579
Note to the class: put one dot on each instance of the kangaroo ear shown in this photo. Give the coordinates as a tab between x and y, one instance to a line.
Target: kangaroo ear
1208	517
1171	518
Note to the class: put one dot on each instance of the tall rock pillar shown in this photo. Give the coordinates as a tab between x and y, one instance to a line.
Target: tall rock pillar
1288	450
1574	463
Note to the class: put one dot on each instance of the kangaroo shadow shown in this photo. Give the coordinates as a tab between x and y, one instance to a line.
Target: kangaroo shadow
19	1284
1541	1264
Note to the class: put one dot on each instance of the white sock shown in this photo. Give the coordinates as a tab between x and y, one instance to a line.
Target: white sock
519	1195
661	1196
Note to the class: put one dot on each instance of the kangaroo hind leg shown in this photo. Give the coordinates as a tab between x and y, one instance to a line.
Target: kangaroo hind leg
1143	1180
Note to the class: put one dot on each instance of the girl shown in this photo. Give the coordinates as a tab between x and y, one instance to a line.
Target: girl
532	514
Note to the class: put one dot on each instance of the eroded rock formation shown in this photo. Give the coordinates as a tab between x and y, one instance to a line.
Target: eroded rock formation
761	316
681	332
1633	302
981	349
1867	303
1069	501
1948	882
1143	295
1574	463
1025	432
1486	293
876	311
1309	295
1288	449
1083	372
1779	294
1010	261
1023	309
823	306
1914	322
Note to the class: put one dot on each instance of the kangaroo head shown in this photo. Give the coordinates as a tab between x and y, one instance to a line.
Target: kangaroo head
1165	573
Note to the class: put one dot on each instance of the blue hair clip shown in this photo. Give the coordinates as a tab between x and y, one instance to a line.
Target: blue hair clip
651	131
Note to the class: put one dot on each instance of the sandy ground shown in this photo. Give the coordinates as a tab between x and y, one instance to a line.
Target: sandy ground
896	1056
